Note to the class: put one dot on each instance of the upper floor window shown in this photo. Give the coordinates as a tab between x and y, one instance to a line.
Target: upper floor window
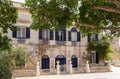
73	36
92	37
22	33
46	34
60	35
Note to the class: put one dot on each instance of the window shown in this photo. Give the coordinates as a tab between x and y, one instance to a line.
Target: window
21	33
60	35
74	36
93	57
46	34
92	37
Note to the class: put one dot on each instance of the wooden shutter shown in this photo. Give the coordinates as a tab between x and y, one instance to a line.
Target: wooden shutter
56	35
69	35
27	32
64	34
96	37
97	57
40	33
78	36
14	34
88	38
51	35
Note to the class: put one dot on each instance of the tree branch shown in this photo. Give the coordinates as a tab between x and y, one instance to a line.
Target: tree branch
116	2
109	9
113	29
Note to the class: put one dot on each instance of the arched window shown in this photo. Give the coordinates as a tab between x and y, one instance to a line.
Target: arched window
74	61
45	62
74	35
61	59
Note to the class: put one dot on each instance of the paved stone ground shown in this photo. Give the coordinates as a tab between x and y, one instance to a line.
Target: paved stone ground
107	75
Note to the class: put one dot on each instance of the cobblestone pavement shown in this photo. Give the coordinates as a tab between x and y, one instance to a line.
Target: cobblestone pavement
107	75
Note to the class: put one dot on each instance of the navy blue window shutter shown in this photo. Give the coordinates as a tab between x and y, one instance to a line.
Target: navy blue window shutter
97	57
90	58
96	37
78	36
27	32
56	35
88	38
69	35
40	33
51	35
64	32
14	34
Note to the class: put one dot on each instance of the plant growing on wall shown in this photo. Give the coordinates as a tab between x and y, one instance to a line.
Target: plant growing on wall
103	47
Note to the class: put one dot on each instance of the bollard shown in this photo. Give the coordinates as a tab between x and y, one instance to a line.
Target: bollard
71	69
58	68
37	69
87	67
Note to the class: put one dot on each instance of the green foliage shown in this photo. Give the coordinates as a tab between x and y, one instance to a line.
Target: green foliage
7	59
21	56
5	43
98	18
8	16
5	72
52	13
61	13
103	47
15	57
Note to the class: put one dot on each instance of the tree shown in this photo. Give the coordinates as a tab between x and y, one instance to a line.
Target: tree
5	72
14	57
21	56
88	15
100	15
104	43
8	16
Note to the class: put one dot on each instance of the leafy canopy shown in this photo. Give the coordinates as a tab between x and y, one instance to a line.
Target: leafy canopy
8	16
52	13
88	15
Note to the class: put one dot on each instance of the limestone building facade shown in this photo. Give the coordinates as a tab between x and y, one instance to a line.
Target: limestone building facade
49	46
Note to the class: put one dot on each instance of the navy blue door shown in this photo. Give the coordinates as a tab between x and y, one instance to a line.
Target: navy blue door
74	62
61	60
45	63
